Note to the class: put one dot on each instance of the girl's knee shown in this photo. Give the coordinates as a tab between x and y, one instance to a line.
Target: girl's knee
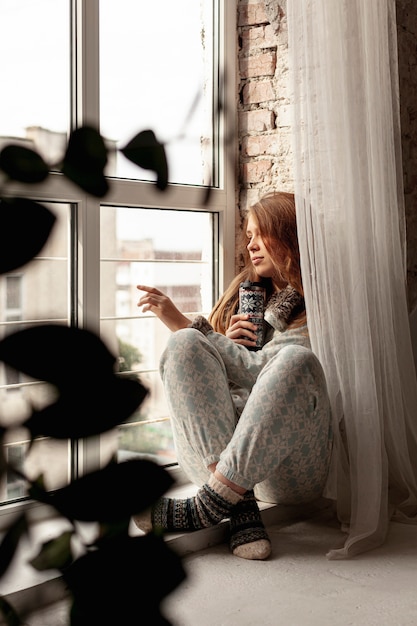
298	358
185	343
297	366
184	339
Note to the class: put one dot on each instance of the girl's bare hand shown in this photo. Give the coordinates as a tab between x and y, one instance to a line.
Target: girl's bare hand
163	307
241	331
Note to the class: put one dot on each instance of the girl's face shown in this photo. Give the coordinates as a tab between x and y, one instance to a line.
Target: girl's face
259	255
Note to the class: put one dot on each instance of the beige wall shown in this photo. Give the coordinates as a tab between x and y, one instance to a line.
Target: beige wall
264	125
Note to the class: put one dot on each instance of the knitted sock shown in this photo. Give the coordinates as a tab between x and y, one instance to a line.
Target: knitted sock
248	537
211	504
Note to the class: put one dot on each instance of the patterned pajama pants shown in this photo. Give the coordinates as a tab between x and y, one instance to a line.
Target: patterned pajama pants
279	443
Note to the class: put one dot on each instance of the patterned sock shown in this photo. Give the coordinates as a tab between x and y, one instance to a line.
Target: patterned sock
248	537
211	504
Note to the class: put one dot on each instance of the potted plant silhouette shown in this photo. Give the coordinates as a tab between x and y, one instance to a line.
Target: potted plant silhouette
117	578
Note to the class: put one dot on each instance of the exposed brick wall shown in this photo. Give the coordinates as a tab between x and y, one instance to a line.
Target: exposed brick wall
265	159
264	132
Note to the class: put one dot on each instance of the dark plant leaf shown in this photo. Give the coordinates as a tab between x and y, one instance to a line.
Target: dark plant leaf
146	151
9	613
129	573
85	616
110	530
25	226
85	160
55	553
23	164
10	542
92	399
109	495
89	409
45	351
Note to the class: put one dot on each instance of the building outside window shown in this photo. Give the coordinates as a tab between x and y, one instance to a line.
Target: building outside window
123	67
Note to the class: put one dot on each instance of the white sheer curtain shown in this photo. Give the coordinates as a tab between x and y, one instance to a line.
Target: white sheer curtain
350	212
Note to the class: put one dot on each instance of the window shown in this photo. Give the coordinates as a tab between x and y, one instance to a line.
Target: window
156	62
123	67
174	252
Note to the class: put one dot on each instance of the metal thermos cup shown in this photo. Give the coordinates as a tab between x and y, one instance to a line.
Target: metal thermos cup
252	301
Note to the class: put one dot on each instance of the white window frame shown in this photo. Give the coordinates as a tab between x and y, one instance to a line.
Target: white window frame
85	106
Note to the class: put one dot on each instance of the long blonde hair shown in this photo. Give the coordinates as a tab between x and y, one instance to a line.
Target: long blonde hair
276	219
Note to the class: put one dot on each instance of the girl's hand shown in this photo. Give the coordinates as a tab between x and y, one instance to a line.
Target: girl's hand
159	304
241	331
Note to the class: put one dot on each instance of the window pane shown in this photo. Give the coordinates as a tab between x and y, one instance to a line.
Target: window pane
157	73
39	290
36	292
46	457
34	74
169	250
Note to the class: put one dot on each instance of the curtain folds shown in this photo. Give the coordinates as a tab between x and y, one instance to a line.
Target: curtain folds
351	225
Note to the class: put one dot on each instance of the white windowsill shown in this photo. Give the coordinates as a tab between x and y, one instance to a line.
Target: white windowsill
23	586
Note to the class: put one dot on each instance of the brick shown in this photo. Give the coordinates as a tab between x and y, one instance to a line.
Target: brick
256	92
259	145
256	121
256	171
258	37
252	13
258	65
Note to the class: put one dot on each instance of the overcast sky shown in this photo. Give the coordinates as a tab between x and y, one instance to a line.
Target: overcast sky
141	85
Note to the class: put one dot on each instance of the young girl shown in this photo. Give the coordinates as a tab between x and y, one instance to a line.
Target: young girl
248	425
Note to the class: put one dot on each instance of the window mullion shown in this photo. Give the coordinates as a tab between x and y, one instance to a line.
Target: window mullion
85	111
85	63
